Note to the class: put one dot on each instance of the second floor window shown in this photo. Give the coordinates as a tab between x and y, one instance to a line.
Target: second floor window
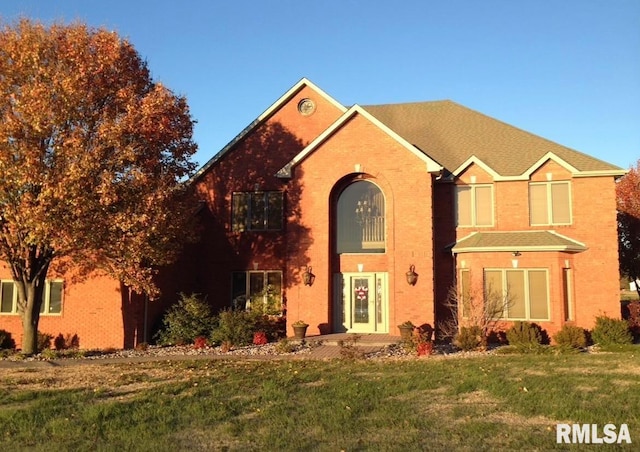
361	219
474	205
549	203
257	211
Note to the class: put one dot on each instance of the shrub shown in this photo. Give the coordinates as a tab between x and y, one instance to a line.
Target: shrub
634	318
571	336
284	345
44	341
260	338
200	342
189	318
525	336
608	331
6	341
469	338
66	342
274	328
235	327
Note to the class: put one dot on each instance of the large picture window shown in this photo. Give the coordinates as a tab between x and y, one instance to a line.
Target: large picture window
474	205
257	211
259	291
51	298
550	203
526	292
361	219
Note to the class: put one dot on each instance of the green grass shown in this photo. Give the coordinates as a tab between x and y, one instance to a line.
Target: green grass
481	403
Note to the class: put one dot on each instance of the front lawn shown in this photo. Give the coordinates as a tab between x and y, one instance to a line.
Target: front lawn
471	403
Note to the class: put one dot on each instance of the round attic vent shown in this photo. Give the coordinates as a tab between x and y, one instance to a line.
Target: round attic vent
306	107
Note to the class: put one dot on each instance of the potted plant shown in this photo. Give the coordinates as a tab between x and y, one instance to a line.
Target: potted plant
299	329
406	330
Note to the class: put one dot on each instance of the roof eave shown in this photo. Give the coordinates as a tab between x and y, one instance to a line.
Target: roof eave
304	82
286	171
511	249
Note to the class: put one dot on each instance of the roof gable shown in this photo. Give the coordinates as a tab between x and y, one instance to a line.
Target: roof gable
265	116
286	171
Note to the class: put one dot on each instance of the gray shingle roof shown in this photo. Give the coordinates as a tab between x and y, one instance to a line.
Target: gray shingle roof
451	133
517	241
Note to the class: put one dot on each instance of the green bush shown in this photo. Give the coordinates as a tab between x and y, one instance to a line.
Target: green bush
236	327
608	331
571	336
469	338
525	336
6	341
186	320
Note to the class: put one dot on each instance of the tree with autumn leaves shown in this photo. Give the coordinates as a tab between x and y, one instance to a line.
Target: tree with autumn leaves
628	205
92	155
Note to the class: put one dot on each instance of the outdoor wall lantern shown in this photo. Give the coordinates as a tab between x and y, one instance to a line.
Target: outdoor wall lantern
412	276
307	277
514	262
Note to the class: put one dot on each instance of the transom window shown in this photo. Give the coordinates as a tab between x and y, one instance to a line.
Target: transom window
550	203
474	205
257	291
361	219
256	211
526	292
51	298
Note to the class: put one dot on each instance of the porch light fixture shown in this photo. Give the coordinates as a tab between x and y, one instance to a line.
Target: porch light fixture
307	277
514	262
412	276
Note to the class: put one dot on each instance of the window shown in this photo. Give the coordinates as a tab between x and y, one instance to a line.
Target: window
51	298
361	219
465	293
474	205
256	211
550	203
524	290
257	291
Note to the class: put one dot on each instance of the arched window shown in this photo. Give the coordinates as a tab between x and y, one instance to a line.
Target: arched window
360	219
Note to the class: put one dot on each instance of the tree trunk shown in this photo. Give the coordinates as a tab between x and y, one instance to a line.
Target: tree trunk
30	332
30	301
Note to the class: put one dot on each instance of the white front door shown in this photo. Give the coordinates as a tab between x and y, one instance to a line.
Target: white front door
361	303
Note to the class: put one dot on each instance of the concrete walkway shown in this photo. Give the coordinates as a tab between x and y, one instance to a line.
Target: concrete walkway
326	347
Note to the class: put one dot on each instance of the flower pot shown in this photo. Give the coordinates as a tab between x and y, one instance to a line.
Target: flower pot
299	332
405	332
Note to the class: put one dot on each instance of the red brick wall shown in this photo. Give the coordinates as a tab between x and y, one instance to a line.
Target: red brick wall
595	271
253	162
403	179
92	309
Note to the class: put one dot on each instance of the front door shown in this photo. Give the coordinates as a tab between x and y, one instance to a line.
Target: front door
361	303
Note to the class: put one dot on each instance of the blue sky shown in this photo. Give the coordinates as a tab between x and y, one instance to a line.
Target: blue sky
566	70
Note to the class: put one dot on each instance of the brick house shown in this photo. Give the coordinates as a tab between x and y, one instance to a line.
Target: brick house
320	211
360	196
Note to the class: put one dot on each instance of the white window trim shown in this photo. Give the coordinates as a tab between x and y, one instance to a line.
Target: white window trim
474	213
549	221
247	295
47	298
14	304
527	302
45	302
